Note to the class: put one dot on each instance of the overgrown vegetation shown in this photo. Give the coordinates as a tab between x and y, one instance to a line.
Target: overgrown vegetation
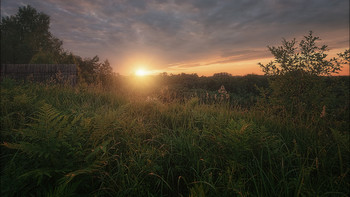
63	141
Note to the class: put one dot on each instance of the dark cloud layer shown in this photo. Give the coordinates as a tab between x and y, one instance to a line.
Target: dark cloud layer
175	31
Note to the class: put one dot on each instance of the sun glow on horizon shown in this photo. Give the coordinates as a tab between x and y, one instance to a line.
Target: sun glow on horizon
141	72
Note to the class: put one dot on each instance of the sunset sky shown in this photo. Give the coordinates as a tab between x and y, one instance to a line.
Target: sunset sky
190	36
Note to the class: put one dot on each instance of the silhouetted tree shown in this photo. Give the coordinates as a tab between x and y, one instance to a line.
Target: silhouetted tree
105	74
87	69
308	58
345	57
25	38
295	81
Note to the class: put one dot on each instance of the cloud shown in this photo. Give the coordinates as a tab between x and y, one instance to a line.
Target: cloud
185	66
178	31
238	56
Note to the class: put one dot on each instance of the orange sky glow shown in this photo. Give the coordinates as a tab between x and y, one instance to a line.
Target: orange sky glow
206	67
190	36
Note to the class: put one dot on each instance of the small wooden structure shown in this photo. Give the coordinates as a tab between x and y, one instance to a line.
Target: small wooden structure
61	73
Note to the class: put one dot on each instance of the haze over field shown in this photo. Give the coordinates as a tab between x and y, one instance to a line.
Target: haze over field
194	36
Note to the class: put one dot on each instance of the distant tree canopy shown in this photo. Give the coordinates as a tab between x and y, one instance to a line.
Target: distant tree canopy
222	74
25	38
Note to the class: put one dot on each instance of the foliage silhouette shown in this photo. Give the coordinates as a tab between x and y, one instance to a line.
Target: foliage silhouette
26	35
26	39
297	83
308	58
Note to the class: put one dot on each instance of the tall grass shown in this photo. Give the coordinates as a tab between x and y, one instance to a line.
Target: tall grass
63	141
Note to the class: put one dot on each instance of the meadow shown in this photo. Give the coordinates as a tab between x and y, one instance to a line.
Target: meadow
58	140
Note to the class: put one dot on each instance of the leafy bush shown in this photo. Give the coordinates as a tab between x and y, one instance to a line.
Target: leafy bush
297	83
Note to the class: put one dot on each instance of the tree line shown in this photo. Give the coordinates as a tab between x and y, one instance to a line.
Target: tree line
26	39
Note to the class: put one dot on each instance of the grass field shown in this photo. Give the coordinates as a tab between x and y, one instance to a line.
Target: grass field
63	141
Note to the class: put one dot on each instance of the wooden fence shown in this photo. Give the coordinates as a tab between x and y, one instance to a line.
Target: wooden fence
61	73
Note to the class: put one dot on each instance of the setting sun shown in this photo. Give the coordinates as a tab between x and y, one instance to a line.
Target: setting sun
141	72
